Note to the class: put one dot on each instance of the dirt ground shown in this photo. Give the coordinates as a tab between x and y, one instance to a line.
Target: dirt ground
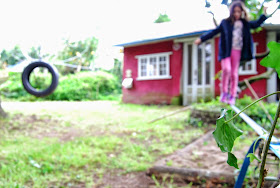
202	153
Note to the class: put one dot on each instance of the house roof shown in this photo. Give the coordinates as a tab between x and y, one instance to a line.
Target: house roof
152	32
190	32
153	40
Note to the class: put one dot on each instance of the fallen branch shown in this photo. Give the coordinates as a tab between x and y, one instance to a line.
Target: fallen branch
193	175
170	114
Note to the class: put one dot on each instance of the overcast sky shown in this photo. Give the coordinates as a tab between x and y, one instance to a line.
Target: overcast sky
45	22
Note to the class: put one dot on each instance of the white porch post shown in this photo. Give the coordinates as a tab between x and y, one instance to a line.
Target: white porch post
272	82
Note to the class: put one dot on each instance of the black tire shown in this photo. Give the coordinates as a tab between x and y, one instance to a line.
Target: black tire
26	83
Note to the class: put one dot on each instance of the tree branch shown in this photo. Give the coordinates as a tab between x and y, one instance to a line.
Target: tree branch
266	75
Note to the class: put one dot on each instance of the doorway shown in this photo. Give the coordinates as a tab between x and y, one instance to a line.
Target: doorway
198	72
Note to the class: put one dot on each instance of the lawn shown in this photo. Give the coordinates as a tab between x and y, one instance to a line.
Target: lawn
76	144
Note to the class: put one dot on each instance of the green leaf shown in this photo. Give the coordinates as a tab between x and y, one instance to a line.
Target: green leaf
273	58
253	157
232	160
226	132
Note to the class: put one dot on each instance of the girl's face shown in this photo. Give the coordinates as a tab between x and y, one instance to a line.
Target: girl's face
237	12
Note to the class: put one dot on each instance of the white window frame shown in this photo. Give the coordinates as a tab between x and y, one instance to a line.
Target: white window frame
253	65
157	56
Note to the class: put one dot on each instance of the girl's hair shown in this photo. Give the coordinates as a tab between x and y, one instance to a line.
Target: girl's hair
241	5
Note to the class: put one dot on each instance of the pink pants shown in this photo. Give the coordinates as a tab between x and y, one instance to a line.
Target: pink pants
230	67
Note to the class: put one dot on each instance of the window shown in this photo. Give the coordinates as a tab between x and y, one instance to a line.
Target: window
154	66
250	67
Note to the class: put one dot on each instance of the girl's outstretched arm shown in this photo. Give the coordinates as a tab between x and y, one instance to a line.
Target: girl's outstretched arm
257	23
211	33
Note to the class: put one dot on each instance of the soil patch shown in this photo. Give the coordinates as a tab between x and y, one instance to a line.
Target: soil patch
41	127
202	154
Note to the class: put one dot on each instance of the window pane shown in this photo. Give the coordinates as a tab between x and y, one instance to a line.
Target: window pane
162	58
162	69
199	65
143	67
153	66
162	66
189	64
250	66
208	52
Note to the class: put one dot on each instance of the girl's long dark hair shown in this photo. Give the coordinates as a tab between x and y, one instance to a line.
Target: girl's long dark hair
241	5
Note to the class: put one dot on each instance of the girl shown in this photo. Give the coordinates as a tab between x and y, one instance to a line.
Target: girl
235	45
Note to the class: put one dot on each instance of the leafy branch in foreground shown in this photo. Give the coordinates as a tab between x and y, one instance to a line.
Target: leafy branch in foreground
225	135
226	132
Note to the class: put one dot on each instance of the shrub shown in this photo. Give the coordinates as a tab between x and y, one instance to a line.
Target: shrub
13	87
73	87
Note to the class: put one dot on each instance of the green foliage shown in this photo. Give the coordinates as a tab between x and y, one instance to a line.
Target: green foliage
41	79
225	135
232	160
255	112
35	53
85	86
254	7
272	59
13	56
162	18
13	87
117	69
84	50
253	157
73	87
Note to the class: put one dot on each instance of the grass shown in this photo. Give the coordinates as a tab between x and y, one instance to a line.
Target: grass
64	144
52	144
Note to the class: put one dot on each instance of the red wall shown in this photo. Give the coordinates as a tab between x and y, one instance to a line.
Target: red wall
162	91
152	91
258	86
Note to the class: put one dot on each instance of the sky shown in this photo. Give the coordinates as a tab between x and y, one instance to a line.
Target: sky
46	22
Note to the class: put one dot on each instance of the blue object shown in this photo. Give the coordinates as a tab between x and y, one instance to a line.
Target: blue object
274	145
245	165
225	2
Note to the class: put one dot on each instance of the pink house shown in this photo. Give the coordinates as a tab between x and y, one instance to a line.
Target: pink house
173	70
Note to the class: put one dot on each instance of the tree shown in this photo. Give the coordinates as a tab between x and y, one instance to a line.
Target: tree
35	53
12	57
162	18
255	7
79	53
117	69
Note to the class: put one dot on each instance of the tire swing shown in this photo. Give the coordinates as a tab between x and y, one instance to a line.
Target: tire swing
31	89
